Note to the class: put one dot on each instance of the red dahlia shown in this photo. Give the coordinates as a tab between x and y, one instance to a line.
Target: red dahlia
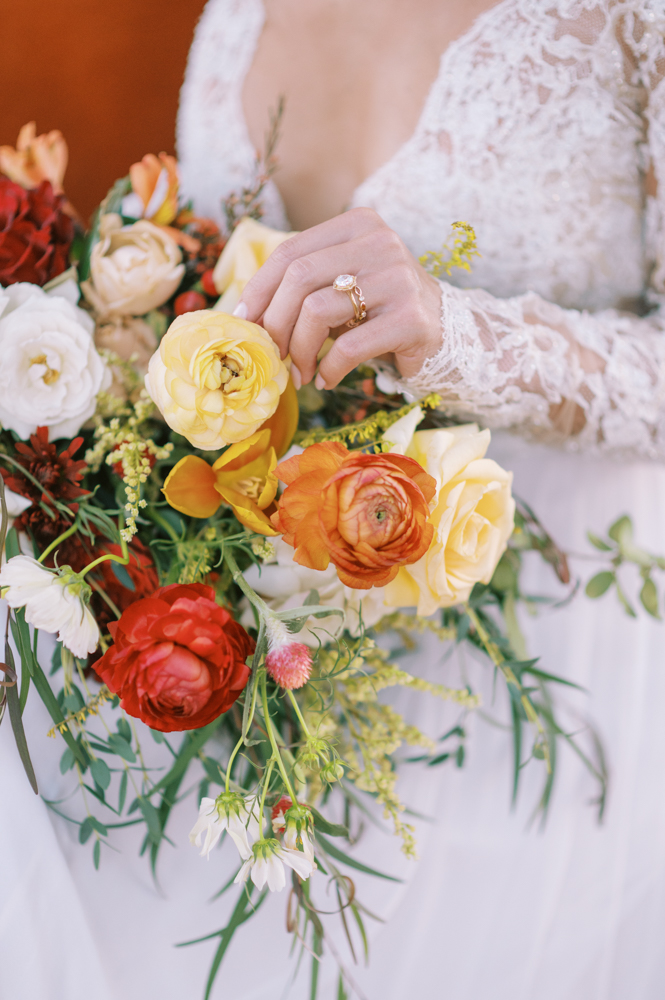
58	474
35	233
178	659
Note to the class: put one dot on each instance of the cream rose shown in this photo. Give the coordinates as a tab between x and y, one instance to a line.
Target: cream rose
50	372
284	584
215	378
472	513
248	249
133	269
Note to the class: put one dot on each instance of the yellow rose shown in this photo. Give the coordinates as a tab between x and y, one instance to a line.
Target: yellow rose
215	378
248	249
472	513
133	269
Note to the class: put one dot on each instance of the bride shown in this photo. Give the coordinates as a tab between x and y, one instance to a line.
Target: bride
542	123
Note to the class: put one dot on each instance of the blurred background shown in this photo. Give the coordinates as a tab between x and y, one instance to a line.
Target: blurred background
105	72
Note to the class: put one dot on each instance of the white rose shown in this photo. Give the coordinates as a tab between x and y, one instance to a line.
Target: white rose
284	584
53	601
133	269
50	372
472	513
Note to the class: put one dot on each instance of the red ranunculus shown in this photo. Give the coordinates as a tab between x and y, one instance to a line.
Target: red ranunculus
178	659
35	233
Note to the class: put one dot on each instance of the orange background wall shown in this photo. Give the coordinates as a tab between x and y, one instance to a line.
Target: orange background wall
105	72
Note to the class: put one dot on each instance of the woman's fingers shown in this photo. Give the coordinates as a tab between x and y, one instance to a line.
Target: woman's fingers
321	312
307	275
344	228
354	348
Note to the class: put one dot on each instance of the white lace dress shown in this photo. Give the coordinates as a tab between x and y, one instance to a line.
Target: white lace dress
539	130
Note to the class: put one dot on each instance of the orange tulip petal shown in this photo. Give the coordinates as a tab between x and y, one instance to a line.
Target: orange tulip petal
190	487
284	422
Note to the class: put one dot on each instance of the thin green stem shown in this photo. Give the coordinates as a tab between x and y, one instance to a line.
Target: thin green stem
264	791
58	541
298	712
123	559
271	737
239	579
230	763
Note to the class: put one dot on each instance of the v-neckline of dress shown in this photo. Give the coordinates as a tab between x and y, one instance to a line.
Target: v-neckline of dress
476	25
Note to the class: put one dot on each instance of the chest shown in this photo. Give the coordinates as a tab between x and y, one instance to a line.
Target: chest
355	77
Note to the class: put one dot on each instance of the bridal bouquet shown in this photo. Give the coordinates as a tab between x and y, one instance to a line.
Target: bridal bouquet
219	556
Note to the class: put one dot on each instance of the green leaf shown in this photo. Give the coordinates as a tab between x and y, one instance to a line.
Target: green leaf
628	608
96	853
649	597
100	773
122	576
151	817
600	583
85	830
14	706
621	531
325	826
12	547
351	862
98	826
125	730
120	746
598	543
67	761
51	703
122	794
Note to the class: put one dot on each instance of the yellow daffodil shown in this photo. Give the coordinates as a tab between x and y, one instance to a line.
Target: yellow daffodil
243	477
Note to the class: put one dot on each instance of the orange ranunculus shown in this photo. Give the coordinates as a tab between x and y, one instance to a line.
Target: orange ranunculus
368	514
155	186
36	158
284	421
243	477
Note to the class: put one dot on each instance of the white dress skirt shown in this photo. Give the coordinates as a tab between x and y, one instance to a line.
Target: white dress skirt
536	132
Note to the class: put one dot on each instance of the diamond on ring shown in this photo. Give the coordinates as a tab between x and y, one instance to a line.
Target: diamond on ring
348	283
344	282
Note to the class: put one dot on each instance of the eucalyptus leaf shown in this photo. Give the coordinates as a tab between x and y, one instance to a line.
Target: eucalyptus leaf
100	773
600	583
621	531
120	746
122	576
598	543
649	597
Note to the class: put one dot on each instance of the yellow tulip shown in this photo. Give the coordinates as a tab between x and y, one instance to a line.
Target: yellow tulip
243	477
248	249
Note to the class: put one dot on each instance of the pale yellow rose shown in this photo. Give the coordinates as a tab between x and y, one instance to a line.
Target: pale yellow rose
248	249
133	269
36	158
215	378
472	513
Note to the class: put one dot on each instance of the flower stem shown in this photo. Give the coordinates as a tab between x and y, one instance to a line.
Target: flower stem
298	712
271	737
230	763
124	558
59	539
239	579
264	791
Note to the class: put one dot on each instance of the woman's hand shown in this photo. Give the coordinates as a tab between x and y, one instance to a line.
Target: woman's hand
292	296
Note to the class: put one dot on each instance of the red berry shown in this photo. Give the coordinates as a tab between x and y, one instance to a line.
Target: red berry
188	302
209	284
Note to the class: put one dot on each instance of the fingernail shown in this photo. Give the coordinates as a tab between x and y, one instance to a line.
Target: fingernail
319	381
240	311
296	376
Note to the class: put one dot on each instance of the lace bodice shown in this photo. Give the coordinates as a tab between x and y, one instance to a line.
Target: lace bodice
539	130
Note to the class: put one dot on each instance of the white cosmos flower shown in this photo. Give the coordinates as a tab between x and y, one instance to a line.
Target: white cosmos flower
51	372
266	865
53	601
230	812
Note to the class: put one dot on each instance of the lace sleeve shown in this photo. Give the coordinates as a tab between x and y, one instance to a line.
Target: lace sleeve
589	381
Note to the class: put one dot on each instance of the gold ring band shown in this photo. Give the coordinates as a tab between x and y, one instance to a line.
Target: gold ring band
348	283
